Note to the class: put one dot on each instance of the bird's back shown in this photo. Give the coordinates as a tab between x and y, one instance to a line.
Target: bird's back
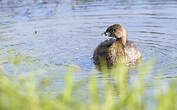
132	53
111	49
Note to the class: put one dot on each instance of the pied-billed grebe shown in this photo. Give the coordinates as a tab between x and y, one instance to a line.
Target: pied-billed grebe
112	49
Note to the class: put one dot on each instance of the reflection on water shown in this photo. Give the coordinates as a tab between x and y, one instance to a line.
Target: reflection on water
65	32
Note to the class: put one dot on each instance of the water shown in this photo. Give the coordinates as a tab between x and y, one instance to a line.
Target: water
67	31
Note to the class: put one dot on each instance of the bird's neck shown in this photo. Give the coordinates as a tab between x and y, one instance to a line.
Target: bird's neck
122	40
120	47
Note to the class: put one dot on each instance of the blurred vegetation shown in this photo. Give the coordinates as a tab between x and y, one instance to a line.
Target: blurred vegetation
22	93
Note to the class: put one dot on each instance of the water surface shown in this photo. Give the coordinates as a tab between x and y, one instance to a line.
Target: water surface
67	31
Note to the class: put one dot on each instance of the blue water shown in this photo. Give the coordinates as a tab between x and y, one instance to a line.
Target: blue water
62	32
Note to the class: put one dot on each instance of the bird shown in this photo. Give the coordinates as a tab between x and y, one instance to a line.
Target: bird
117	47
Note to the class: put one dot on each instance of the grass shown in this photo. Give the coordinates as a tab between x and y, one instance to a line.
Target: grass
22	93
